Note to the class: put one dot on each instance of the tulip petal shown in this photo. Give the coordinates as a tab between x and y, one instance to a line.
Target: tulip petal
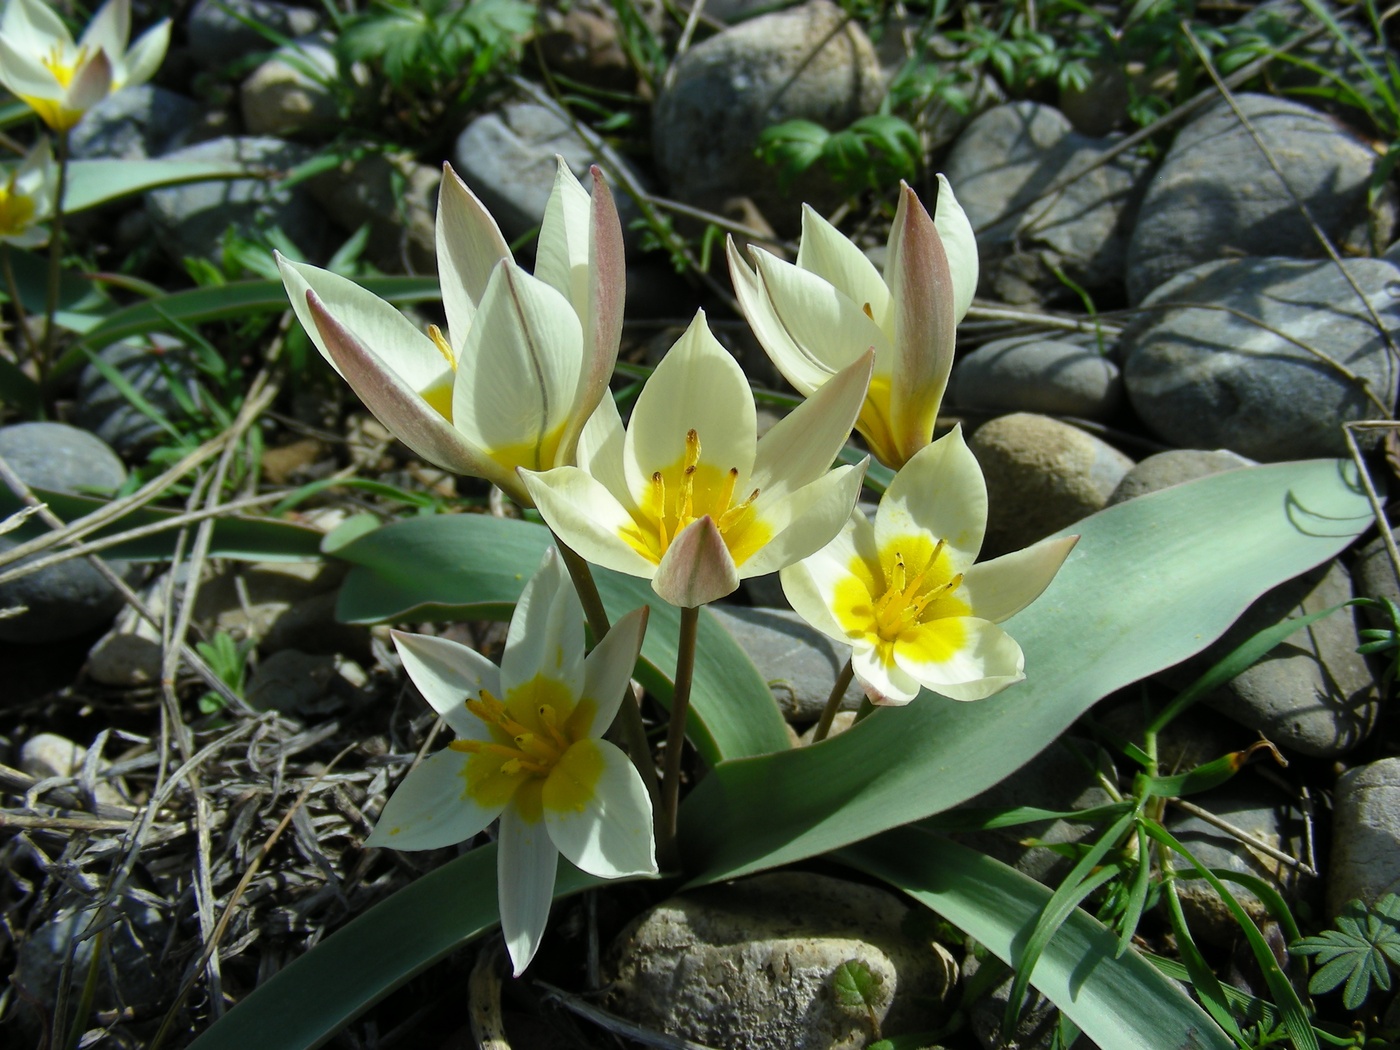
34	27
92	84
610	836
525	870
448	674
941	492
146	55
600	450
921	286
832	327
587	517
959	245
561	254
23	75
801	446
518	371
546	632
398	406
697	386
886	684
805	521
812	584
609	668
960	657
798	367
432	807
697	567
469	245
998	589
831	255
109	29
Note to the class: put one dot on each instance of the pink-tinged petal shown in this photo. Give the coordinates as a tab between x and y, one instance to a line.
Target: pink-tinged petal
697	386
960	657
797	366
921	286
469	245
432	808
602	320
811	585
610	835
587	517
109	29
525	870
941	492
146	55
92	84
388	334
448	674
697	568
546	632
398	406
827	252
886	684
831	327
518	371
609	668
959	245
801	446
805	521
998	589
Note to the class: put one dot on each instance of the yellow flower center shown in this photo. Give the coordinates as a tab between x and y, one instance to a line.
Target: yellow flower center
539	730
687	491
16	211
64	67
909	599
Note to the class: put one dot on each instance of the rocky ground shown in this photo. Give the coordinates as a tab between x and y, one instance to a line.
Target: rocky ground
1223	289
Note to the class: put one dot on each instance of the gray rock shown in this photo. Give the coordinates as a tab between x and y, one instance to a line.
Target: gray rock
1215	194
750	964
48	755
1173	467
1313	694
1202	377
130	654
799	664
191	219
1037	375
1365	835
217	35
154	371
135	123
795	64
1006	157
247	601
396	196
507	158
291	92
1374	576
291	682
130	973
1264	814
1041	476
70	598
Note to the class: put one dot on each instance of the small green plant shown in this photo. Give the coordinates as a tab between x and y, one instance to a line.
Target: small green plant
1383	642
228	659
1361	950
857	991
870	154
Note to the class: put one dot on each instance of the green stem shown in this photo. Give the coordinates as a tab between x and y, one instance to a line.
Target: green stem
675	736
833	703
630	713
865	710
55	262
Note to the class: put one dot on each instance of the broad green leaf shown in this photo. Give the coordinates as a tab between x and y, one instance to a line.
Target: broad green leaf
314	996
1121	1003
251	539
1151	582
94	182
471	566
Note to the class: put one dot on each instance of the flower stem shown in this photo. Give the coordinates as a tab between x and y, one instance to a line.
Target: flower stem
833	703
675	734
55	263
633	730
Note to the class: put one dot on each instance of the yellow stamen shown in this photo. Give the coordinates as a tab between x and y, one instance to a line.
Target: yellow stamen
443	346
868	312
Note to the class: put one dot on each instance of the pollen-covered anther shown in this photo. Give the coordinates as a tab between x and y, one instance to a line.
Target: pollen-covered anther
533	753
443	347
905	599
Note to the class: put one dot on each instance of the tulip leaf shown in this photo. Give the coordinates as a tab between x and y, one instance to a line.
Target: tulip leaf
314	996
1119	1002
1151	582
94	182
472	566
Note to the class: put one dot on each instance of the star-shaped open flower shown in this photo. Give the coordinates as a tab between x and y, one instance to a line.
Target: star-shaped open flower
817	316
61	80
528	751
525	359
688	496
27	198
905	594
